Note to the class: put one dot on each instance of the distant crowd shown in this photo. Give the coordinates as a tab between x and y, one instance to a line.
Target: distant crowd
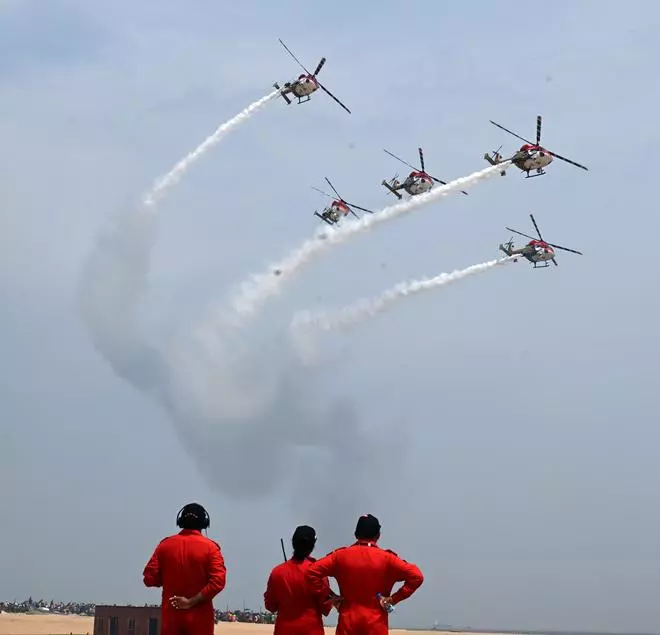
87	609
255	617
43	606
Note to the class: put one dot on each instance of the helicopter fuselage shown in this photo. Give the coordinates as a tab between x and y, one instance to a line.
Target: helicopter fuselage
304	86
538	251
531	157
335	211
534	251
417	183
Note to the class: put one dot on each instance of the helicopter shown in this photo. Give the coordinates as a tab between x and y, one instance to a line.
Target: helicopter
531	156
338	208
305	85
417	182
538	252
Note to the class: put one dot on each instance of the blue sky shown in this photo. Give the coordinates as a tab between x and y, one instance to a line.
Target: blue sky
502	428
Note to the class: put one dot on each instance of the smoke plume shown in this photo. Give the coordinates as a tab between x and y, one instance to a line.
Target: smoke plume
370	308
176	173
242	404
255	291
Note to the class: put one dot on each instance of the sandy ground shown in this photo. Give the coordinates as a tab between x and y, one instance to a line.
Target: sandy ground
19	624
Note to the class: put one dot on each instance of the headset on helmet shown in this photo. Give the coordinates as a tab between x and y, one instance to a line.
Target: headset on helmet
197	510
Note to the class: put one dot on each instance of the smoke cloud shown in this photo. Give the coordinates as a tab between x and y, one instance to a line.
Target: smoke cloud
244	407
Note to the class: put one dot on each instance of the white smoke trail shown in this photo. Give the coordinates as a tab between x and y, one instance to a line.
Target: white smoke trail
114	279
259	287
247	400
363	309
175	174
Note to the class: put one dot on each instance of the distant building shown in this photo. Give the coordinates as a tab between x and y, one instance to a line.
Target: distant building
126	620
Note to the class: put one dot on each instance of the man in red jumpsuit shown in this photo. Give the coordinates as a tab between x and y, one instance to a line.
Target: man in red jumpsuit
190	568
363	571
299	609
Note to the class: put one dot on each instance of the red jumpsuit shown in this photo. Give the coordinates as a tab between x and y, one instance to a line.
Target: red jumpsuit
298	607
186	564
363	570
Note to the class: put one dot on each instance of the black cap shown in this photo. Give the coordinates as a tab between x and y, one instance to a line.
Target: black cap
367	527
304	533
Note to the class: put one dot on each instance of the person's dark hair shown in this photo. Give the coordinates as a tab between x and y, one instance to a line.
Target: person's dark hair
367	528
303	542
193	516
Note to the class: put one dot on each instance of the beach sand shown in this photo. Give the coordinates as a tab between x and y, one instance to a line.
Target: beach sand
21	624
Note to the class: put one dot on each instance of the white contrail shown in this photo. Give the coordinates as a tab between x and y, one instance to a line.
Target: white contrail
259	287
363	309
175	174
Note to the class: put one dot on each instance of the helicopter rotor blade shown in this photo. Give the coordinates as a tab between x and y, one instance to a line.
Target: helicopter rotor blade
362	209
536	226
444	183
319	67
557	156
293	56
421	158
511	133
399	159
515	231
538	129
573	251
334	189
331	95
322	192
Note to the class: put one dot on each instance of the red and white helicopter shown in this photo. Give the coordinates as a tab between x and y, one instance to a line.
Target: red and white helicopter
417	182
305	85
339	207
531	156
538	252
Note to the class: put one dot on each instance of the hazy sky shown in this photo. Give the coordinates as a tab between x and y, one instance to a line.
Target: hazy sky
503	429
